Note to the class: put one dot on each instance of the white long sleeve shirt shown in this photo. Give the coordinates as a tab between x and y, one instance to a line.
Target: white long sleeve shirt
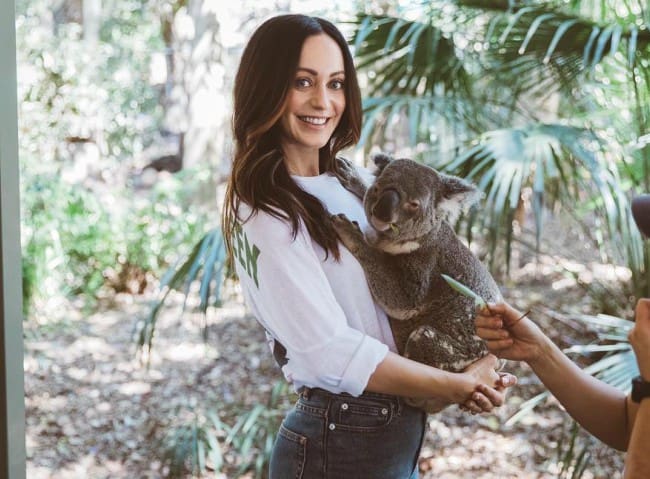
320	310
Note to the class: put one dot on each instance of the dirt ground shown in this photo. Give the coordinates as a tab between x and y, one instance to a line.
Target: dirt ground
95	411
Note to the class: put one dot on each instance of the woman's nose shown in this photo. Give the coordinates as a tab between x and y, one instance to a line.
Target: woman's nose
320	97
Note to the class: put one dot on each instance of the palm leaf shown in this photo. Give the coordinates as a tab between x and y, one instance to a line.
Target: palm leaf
413	73
406	57
541	47
205	263
559	164
465	291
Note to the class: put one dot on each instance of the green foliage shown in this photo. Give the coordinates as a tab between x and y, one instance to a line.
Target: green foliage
189	447
413	68
618	365
68	239
519	96
253	434
572	453
557	164
74	238
205	263
202	444
96	92
163	222
85	109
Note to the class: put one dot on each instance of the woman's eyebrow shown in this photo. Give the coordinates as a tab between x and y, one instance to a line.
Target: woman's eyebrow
315	73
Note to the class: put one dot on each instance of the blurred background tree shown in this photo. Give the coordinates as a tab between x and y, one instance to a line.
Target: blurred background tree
103	118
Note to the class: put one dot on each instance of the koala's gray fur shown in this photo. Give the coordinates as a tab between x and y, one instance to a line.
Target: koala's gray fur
410	243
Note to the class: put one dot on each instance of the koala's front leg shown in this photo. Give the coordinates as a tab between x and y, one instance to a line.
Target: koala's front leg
352	237
349	233
390	290
350	178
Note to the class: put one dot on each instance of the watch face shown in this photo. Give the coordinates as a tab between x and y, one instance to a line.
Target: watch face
640	389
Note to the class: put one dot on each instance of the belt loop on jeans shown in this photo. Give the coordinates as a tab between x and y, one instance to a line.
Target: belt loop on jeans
305	392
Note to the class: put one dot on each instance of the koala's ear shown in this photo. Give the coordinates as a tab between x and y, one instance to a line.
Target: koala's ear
456	196
381	160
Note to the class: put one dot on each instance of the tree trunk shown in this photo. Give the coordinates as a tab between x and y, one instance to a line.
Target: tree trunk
198	104
92	13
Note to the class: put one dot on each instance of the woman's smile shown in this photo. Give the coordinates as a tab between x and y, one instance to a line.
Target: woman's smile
314	120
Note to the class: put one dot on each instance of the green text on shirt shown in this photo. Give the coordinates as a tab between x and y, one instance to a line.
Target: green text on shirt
245	252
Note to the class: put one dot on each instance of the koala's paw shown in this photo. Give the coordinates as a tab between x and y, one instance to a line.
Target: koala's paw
348	231
349	177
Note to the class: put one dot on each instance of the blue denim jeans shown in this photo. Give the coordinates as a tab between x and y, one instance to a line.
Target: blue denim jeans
338	436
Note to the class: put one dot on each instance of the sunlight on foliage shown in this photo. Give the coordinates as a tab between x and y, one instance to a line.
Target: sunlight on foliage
207	444
518	96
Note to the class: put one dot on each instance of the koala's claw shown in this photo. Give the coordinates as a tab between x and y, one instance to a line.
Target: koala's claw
348	231
344	166
349	177
342	223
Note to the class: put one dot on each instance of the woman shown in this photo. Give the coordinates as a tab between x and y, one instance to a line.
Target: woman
296	105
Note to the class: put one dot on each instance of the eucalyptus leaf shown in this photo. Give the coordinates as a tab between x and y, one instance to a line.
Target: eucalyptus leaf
465	291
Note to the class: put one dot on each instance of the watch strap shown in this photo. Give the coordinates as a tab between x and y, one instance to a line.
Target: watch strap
640	389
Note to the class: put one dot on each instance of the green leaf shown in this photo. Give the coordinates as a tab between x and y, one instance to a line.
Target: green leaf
465	291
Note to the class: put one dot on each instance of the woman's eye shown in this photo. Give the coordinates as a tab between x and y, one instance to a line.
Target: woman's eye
302	82
336	84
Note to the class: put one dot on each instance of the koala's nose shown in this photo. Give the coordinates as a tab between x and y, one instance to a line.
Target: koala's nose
386	205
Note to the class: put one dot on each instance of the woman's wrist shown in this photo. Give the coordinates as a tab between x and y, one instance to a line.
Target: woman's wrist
460	386
542	353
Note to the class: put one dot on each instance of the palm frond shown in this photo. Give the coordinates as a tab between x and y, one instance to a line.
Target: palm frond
559	164
253	434
406	57
419	117
573	453
555	48
205	264
189	446
415	75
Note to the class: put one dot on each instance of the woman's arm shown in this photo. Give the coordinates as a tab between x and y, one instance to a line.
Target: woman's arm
397	374
600	408
637	462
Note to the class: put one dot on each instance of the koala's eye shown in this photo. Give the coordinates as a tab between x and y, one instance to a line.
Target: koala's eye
412	206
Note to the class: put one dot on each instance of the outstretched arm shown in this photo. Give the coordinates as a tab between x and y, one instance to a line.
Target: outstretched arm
600	408
637	463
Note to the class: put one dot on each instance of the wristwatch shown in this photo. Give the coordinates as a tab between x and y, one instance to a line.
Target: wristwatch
640	389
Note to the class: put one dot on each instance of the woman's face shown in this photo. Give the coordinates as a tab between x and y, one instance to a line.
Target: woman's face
316	98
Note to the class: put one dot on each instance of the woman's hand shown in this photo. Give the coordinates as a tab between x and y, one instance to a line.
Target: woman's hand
640	336
508	333
489	386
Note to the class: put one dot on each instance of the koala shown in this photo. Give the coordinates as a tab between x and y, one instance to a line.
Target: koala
410	208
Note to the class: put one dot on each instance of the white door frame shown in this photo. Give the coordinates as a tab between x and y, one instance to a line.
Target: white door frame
12	396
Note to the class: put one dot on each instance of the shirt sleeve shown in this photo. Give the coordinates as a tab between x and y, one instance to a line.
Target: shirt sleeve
284	284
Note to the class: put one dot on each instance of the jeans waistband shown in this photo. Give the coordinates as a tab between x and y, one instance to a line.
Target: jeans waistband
318	393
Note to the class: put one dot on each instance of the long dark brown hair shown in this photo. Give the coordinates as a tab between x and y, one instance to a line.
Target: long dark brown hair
259	177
